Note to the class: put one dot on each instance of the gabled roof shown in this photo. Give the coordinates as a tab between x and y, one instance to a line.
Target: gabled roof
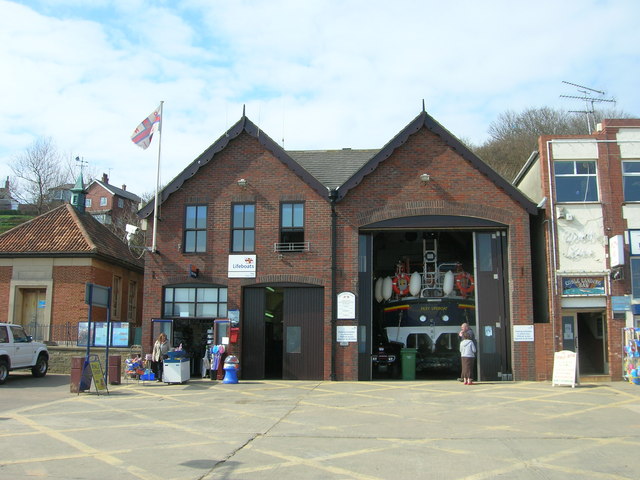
243	125
341	170
428	122
65	232
116	191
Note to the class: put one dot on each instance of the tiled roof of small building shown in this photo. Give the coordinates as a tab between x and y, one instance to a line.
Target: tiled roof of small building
64	232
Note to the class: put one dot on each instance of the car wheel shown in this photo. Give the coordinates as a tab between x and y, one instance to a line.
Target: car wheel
41	366
4	371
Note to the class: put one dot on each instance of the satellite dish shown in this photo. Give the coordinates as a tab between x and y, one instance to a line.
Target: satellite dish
135	239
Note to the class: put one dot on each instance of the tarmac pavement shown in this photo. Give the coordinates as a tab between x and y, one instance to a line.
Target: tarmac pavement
205	429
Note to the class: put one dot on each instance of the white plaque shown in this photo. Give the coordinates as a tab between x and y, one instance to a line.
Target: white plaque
346	333
523	333
346	306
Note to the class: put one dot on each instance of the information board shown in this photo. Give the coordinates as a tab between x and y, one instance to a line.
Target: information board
565	371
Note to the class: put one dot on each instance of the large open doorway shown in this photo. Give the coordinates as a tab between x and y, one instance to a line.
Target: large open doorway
425	283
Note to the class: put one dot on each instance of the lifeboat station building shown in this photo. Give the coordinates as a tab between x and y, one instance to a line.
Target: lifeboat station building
308	264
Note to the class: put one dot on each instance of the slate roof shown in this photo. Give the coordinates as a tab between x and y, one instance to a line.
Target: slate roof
342	170
116	191
64	232
332	167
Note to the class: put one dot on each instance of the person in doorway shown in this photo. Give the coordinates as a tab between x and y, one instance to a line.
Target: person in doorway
468	354
160	349
466	328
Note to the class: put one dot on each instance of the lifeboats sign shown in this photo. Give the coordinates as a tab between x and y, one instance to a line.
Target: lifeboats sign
582	286
346	306
242	266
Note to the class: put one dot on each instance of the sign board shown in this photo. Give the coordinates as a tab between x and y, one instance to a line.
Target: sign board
96	295
616	250
523	333
565	368
346	333
346	306
93	371
583	286
242	266
621	303
634	242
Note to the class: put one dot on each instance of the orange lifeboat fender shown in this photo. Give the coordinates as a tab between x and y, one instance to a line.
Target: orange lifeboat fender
400	283
464	283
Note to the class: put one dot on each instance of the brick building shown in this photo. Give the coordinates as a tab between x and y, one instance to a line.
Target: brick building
111	205
46	262
317	256
589	286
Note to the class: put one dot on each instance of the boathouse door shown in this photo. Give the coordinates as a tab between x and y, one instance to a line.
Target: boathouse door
283	341
493	325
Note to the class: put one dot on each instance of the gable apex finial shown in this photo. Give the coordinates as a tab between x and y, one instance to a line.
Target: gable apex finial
423	109
243	114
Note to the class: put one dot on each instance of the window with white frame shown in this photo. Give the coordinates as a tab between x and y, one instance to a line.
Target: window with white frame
201	301
576	181
631	180
87	202
103	201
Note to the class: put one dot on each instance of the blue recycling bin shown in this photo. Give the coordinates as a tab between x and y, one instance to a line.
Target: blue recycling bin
231	366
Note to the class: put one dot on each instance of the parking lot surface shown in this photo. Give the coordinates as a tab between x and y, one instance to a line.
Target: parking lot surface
204	429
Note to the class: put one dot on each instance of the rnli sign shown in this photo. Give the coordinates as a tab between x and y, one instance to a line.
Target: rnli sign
242	266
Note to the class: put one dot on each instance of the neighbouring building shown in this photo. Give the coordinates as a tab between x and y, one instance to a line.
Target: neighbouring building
588	290
111	205
315	258
46	262
7	202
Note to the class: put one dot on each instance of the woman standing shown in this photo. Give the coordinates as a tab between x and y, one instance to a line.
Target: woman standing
468	354
160	349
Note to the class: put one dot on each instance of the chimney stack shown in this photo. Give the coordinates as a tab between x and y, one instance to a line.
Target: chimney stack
105	179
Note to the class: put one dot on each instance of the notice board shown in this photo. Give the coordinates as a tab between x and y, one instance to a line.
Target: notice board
565	368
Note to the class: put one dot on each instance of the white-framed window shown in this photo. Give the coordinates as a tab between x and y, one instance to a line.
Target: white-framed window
631	180
201	301
87	202
103	201
576	180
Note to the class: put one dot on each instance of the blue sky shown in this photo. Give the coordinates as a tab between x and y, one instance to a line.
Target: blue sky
318	74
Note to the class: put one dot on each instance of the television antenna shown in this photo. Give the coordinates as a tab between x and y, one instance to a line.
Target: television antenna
589	101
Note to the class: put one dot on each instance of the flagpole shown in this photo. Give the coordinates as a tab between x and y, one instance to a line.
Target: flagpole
155	205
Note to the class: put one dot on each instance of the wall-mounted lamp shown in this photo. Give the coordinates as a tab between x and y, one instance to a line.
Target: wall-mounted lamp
425	177
242	183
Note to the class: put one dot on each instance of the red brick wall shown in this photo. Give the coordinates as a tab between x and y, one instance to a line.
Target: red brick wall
392	190
270	182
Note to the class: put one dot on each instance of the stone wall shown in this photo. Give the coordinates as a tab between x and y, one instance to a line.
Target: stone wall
60	357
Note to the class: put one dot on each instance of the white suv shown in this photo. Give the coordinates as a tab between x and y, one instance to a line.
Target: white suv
18	350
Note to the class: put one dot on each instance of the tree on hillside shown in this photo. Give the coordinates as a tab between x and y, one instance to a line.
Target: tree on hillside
514	136
37	170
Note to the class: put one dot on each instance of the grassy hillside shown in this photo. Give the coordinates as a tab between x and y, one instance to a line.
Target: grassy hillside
8	221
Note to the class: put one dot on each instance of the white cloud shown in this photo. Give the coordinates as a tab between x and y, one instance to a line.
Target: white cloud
323	74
